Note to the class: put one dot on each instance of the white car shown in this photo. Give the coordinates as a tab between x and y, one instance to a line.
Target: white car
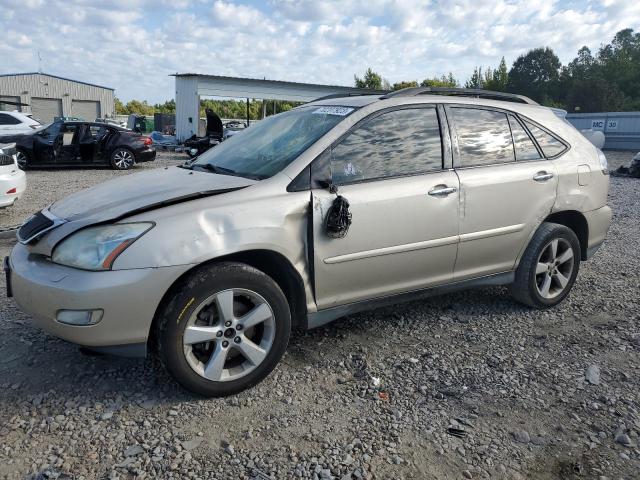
13	181
16	122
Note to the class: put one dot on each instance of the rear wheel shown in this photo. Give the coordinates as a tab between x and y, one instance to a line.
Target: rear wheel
224	330
122	159
548	268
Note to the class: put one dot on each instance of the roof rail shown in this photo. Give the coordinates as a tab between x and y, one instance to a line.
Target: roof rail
463	92
350	94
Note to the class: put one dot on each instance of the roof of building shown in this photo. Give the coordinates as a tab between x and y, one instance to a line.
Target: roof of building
54	76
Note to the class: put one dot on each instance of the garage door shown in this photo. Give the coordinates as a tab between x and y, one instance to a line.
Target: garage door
6	106
87	110
46	109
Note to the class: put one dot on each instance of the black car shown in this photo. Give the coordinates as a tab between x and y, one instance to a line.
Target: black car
80	144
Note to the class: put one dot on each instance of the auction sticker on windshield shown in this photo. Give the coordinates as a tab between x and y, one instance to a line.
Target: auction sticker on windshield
341	111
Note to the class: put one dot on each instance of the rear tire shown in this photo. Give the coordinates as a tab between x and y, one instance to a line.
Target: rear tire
122	159
224	330
548	268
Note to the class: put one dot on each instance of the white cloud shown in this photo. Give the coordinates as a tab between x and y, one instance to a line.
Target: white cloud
134	45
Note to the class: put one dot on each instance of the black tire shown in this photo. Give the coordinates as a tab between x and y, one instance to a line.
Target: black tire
23	158
526	287
188	295
122	158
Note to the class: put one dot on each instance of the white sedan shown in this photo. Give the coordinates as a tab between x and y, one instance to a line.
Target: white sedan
16	122
13	181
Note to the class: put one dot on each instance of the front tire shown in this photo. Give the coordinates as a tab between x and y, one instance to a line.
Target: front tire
548	268
224	330
122	159
23	158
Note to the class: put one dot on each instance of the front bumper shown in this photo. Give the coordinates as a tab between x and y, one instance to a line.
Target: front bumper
598	221
129	298
9	181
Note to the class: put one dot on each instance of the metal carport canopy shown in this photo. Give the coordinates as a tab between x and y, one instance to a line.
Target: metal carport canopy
191	86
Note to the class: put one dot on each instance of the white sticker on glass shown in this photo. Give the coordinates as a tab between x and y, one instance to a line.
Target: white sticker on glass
341	111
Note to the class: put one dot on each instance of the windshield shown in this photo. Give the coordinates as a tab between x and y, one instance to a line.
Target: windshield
264	149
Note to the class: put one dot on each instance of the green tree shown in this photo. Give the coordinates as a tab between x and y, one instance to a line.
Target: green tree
119	106
497	79
371	80
167	107
476	80
404	84
442	81
536	74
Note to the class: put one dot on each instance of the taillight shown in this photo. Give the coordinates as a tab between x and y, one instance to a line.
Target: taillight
13	190
35	126
147	141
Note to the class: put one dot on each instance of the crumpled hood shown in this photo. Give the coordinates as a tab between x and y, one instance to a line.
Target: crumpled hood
143	191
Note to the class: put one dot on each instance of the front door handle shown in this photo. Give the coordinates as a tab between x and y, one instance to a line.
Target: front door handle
542	176
442	191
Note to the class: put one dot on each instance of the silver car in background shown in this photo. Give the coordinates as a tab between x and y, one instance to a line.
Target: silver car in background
337	206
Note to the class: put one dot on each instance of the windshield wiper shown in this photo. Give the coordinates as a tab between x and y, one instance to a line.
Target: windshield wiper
224	171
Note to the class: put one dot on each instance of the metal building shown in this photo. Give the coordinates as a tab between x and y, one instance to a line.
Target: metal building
621	129
191	86
49	96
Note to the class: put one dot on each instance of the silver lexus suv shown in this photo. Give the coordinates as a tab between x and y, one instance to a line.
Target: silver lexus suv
340	205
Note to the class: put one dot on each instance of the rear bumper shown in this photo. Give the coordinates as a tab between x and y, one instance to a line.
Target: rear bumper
9	181
599	221
128	298
146	155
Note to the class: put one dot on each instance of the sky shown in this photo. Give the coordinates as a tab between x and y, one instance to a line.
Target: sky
134	45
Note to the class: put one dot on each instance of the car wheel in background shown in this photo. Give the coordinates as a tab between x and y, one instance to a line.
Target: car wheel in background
548	268
22	156
224	329
122	159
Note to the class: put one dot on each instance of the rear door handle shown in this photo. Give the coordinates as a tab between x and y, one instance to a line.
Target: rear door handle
442	191
542	176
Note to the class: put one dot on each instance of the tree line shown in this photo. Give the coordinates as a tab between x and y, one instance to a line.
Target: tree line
224	108
608	80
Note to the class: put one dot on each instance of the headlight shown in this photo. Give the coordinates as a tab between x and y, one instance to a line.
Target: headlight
604	165
96	248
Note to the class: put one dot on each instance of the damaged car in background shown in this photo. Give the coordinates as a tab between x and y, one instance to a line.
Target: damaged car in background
81	144
337	206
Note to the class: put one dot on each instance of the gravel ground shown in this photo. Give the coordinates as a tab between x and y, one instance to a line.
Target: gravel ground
467	385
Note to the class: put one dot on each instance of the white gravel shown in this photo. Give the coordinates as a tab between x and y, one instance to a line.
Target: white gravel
467	385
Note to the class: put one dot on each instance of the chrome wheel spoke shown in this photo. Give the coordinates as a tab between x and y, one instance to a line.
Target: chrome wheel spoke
565	256
546	285
224	301
256	316
554	248
196	334
214	368
542	268
561	279
251	351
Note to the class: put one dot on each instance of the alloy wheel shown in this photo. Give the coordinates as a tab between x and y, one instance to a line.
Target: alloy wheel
554	268
123	159
21	159
229	335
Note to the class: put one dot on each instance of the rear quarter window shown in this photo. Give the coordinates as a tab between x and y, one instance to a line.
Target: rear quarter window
550	145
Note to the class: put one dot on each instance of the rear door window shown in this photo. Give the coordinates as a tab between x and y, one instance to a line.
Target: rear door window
6	119
550	145
524	146
393	144
484	137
